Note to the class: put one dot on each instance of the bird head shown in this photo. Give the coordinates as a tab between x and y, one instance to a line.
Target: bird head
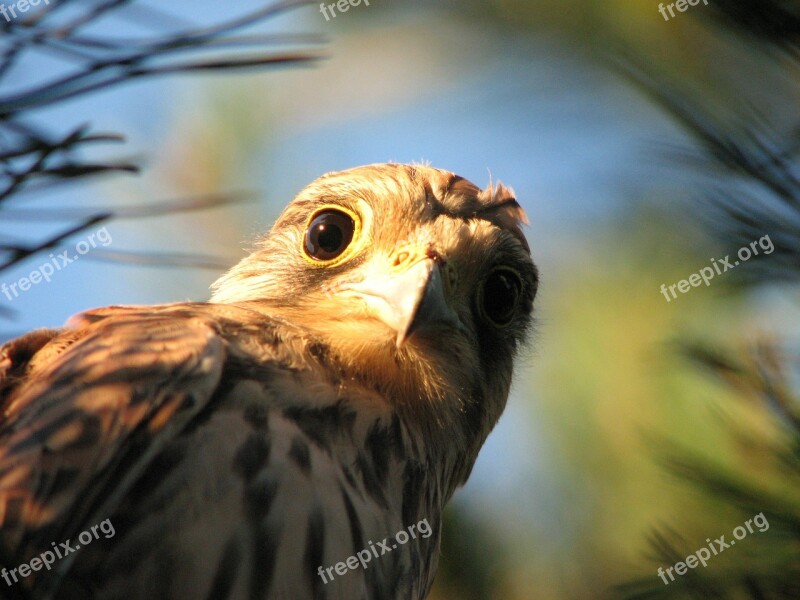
419	282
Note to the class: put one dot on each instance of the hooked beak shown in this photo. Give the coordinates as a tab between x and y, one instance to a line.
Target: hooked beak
410	301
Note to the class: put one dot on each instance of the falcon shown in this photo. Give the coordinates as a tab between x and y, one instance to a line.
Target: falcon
298	435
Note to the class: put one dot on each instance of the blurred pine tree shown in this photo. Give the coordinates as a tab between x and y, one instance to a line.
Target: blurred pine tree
754	191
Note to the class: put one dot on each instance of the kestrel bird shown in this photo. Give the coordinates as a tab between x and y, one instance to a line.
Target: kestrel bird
298	435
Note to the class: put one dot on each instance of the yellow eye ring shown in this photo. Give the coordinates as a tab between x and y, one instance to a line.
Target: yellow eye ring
331	235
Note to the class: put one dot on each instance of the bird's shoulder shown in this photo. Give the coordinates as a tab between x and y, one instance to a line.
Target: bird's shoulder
171	419
76	402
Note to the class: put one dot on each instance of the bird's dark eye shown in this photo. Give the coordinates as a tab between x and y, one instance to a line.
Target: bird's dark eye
501	294
329	234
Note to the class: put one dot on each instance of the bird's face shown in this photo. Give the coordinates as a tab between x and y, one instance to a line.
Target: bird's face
421	283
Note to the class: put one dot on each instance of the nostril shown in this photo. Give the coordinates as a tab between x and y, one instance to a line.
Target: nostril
400	258
435	256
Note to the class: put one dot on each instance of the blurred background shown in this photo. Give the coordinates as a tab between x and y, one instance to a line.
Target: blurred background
640	147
